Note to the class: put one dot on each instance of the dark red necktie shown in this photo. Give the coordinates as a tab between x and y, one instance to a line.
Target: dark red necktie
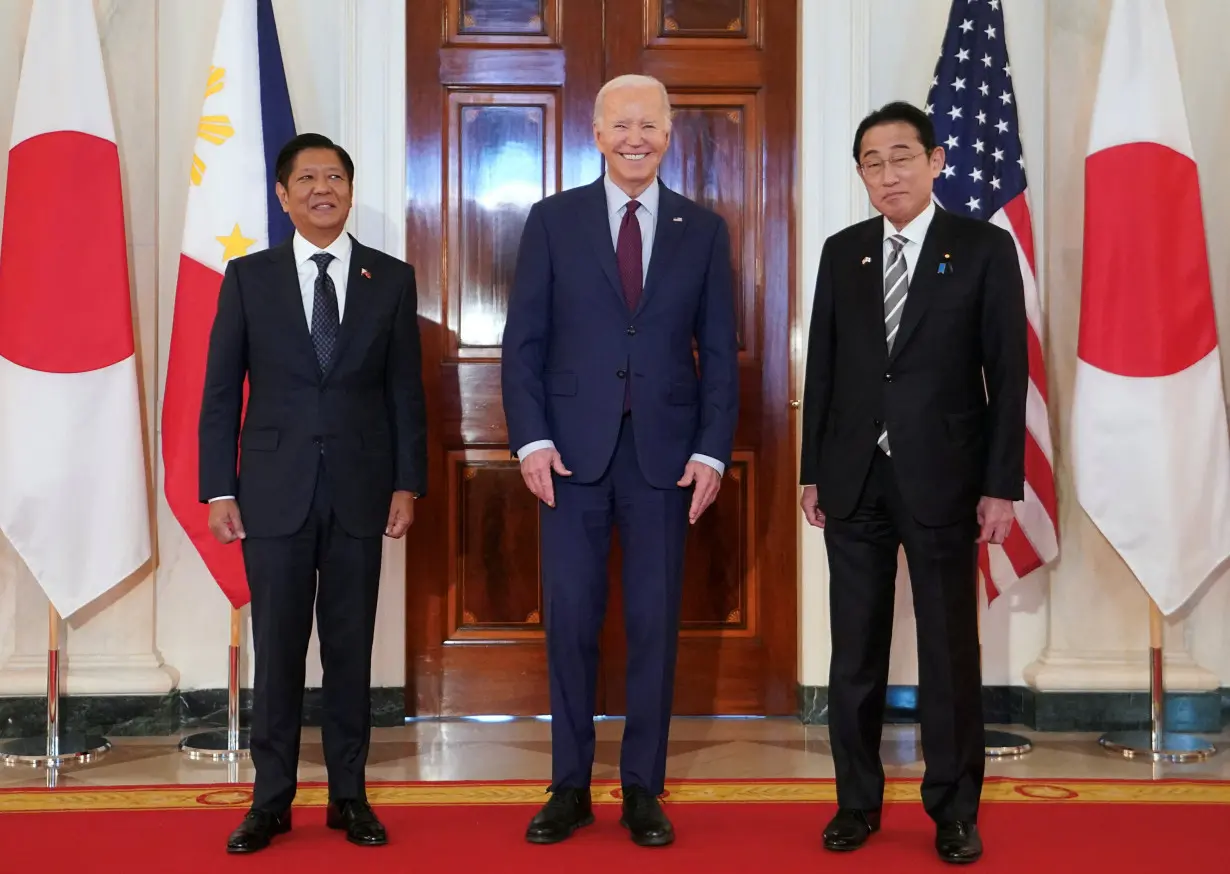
628	256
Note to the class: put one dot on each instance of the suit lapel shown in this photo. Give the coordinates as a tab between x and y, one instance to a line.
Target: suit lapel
667	235
922	284
871	281
598	227
356	300
290	298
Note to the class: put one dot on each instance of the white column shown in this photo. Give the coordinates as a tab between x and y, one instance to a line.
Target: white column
833	97
373	105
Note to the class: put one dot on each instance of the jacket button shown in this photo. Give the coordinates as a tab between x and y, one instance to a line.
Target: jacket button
621	373
888	377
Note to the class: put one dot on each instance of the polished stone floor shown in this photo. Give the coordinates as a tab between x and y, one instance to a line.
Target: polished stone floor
699	749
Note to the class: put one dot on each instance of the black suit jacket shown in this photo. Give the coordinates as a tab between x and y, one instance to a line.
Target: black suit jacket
952	440
364	417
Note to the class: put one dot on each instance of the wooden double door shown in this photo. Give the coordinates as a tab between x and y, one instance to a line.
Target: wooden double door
500	104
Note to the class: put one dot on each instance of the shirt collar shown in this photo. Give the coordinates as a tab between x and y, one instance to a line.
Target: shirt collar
915	231
339	248
616	197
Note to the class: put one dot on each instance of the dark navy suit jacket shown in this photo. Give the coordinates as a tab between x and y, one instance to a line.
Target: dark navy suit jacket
571	343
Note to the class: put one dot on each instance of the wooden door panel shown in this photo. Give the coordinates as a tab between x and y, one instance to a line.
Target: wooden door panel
729	69
500	96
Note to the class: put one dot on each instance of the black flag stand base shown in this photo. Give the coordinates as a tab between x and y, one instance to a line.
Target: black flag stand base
57	748
229	744
1156	744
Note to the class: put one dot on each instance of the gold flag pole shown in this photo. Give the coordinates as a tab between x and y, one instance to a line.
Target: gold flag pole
229	744
1155	743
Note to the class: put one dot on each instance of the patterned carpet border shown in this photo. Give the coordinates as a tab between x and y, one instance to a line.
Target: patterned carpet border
238	796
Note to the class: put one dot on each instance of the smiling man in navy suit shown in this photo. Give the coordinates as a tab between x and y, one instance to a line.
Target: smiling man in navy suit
614	425
325	331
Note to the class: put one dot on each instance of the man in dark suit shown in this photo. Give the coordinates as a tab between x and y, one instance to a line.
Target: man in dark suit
611	423
914	435
333	444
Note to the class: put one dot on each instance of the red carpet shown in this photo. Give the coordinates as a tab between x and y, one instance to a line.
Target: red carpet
1060	834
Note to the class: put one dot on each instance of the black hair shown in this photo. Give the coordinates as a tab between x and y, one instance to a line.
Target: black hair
898	111
303	142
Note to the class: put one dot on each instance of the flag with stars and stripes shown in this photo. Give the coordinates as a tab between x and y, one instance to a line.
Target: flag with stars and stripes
973	108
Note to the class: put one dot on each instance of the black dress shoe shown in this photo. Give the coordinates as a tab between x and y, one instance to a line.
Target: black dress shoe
958	842
256	831
359	822
644	819
566	811
850	829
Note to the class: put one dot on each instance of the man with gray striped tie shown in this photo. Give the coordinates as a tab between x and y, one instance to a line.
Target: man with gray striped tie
914	435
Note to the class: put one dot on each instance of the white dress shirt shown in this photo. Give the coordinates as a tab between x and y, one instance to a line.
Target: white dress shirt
915	232
647	216
338	270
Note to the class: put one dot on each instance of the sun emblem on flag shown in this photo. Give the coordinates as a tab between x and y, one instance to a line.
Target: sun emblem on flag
214	129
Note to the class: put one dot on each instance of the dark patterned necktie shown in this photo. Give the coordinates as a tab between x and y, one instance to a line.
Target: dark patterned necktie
324	312
628	255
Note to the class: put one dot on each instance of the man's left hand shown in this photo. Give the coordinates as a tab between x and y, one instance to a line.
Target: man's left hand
401	514
995	519
707	482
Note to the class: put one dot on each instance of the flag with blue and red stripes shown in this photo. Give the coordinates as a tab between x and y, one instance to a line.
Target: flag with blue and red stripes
973	107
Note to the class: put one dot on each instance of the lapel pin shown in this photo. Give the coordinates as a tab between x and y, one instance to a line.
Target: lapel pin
677	219
363	272
867	259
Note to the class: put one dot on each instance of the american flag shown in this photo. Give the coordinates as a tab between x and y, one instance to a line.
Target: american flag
973	108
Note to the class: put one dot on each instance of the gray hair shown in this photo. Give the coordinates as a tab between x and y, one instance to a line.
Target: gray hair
627	80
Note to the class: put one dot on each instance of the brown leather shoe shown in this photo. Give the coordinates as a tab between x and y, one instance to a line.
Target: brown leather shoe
258	828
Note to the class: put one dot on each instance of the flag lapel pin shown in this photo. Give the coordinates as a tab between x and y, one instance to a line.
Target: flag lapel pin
866	260
677	219
363	272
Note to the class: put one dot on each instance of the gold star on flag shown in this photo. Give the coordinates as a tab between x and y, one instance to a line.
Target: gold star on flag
234	245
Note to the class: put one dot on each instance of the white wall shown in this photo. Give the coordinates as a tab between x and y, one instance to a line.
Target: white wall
1083	625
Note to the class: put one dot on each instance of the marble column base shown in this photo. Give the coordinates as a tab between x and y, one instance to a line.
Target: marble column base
1124	671
89	674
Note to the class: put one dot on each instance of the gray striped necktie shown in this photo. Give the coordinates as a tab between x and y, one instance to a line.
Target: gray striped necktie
896	286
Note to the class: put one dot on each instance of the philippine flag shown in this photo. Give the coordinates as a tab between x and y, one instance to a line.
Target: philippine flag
74	499
232	211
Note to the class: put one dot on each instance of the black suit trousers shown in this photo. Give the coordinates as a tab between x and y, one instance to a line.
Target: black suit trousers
318	565
862	554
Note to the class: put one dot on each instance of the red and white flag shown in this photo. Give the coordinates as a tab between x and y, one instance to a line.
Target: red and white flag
232	211
73	494
1151	454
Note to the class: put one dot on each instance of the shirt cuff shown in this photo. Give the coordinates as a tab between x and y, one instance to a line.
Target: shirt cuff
712	462
222	498
534	447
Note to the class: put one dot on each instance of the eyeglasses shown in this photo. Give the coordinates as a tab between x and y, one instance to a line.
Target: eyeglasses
899	162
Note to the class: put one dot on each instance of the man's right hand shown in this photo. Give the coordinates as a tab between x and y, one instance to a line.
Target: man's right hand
811	510
536	470
224	521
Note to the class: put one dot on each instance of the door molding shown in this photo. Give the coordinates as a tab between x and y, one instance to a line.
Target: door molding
834	48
